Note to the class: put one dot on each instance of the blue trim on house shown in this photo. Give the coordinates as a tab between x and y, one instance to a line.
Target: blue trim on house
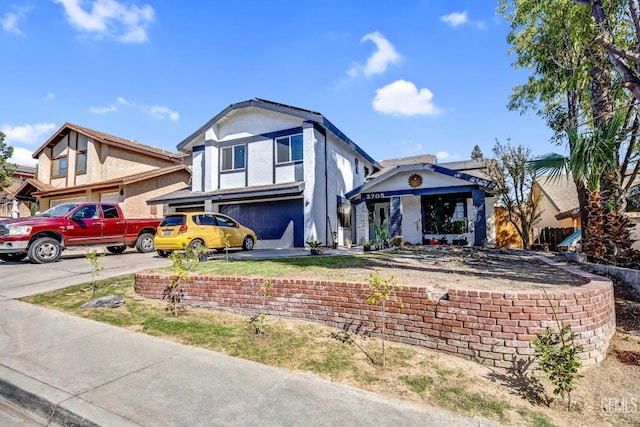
417	192
198	148
479	217
284	132
461	175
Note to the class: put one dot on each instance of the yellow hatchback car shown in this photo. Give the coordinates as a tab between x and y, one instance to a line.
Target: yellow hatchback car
201	229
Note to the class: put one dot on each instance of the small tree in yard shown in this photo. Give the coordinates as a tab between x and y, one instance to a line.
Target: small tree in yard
227	243
382	290
258	320
183	262
94	257
557	355
513	179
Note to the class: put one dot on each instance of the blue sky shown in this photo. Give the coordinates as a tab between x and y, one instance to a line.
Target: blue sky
399	78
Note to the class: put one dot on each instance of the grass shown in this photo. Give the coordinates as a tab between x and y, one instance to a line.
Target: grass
333	267
299	346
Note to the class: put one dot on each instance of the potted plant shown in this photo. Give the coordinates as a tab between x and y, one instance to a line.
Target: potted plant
367	246
315	247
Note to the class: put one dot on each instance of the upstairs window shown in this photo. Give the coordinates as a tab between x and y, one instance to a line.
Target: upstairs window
81	155
233	158
59	159
289	149
357	165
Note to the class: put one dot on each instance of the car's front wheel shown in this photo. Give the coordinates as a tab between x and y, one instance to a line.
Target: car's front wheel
247	243
44	249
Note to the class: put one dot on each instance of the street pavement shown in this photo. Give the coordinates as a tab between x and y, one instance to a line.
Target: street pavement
66	370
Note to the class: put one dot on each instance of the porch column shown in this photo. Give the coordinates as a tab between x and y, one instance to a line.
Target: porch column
479	218
395	217
362	223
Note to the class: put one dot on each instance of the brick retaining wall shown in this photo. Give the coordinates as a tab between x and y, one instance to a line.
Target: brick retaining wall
490	327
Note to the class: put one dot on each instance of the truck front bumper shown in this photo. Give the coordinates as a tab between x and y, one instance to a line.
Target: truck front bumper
13	246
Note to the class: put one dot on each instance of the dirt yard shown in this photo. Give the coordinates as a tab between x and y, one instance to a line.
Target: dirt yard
607	395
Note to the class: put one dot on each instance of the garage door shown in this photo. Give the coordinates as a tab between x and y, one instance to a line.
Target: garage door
270	219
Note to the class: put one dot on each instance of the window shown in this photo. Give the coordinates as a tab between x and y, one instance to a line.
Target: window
289	149
357	163
110	212
59	156
81	155
233	158
444	215
223	221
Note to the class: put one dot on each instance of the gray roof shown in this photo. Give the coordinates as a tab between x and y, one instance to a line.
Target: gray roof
560	191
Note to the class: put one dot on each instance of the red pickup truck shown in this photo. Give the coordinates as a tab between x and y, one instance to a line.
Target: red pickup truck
43	237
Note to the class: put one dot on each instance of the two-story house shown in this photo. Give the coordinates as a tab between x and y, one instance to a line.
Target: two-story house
293	176
281	170
78	164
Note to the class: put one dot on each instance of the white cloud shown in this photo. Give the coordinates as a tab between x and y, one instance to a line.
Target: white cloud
456	18
157	111
443	155
50	96
22	156
103	110
111	18
27	134
10	20
163	113
378	62
402	98
123	101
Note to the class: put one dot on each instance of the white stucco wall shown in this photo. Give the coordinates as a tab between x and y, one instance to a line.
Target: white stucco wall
260	162
197	173
211	166
314	199
232	180
253	121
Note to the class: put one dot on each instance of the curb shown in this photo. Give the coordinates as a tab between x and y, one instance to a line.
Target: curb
53	406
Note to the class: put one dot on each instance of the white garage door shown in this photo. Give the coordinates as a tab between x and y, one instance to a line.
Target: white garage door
110	197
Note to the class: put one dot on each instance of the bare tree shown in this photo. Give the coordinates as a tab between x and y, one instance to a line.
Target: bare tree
514	187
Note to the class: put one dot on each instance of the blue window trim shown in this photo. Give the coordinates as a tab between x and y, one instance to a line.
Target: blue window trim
232	148
288	162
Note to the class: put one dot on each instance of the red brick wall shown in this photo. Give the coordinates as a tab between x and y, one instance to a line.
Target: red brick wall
490	327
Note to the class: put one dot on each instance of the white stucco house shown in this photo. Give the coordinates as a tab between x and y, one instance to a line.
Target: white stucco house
292	176
280	170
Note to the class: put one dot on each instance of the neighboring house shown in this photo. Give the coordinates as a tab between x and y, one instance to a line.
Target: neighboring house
293	177
560	207
422	200
10	205
78	164
557	201
280	170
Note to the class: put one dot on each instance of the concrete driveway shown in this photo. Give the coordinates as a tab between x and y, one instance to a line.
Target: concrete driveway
20	279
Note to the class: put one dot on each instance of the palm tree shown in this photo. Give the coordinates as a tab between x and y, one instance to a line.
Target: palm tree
605	227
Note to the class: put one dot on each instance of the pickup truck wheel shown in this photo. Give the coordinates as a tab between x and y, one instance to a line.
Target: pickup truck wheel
116	249
145	243
13	257
44	249
247	243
